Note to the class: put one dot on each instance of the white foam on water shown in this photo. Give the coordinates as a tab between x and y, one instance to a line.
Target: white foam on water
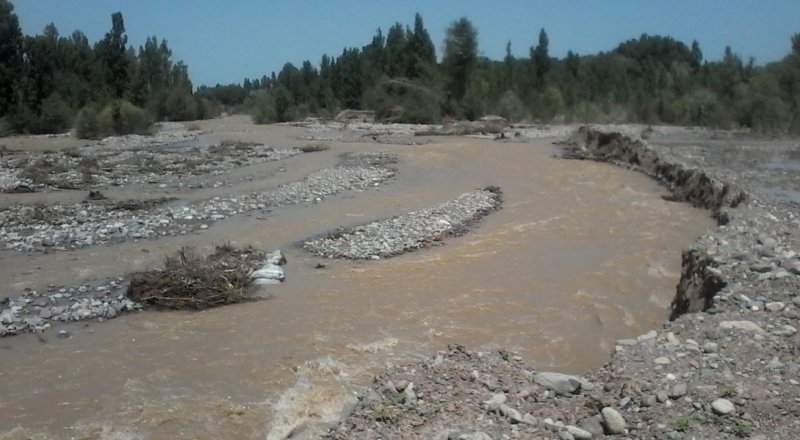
522	227
318	397
374	346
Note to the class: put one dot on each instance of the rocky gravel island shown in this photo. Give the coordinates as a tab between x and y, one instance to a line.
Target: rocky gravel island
405	233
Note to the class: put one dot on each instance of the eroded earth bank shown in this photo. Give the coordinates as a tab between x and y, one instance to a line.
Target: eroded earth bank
539	263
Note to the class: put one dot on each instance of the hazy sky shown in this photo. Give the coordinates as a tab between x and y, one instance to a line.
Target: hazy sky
224	41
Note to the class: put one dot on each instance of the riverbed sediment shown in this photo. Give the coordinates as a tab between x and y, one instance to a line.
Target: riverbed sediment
724	366
580	254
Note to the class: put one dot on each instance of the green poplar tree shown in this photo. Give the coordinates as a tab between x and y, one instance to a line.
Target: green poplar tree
460	57
10	54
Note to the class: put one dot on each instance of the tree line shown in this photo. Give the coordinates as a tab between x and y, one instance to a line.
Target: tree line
50	82
650	79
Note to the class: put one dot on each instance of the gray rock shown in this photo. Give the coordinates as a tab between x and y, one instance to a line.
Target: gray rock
409	394
390	389
678	390
477	435
761	268
613	421
578	433
784	330
647	336
560	383
710	347
748	326
775	306
8	317
494	403
513	415
34	321
722	407
565	435
648	400
661	360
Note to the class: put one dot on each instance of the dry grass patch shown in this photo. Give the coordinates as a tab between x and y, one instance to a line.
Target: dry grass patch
190	281
312	148
140	205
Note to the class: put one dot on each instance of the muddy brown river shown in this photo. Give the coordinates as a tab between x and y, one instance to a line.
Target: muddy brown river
581	254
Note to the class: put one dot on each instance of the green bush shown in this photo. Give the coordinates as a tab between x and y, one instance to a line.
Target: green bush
702	103
5	127
86	123
276	105
722	117
180	105
511	107
56	115
207	109
399	100
552	104
474	104
585	111
261	109
116	118
157	104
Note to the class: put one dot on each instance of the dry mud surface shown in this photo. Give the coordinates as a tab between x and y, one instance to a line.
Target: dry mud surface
580	255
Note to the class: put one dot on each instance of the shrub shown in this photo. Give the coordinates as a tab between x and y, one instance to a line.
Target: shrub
399	100
282	102
86	124
474	104
207	109
511	107
117	118
5	128
129	119
261	110
56	115
180	105
552	104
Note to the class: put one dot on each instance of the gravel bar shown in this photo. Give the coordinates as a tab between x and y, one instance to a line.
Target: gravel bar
64	227
35	312
408	232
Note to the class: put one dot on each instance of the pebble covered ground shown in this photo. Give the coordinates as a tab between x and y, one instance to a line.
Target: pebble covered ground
34	228
115	160
32	311
408	232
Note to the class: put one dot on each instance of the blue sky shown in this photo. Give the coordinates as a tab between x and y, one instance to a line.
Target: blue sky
224	41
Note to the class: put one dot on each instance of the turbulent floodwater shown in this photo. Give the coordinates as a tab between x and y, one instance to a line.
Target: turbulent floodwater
581	254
